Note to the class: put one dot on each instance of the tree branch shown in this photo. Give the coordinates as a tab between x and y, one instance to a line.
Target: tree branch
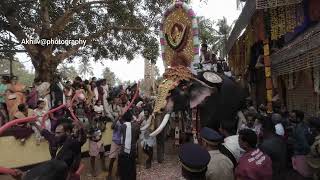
61	56
62	22
44	15
15	28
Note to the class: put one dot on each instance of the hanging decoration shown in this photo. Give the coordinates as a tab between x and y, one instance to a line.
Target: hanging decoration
267	69
265	4
291	81
316	79
179	39
285	19
179	34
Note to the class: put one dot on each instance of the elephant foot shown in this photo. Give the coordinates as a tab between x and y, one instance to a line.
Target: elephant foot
148	164
160	158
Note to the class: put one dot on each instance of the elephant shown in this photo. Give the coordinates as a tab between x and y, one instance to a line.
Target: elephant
218	103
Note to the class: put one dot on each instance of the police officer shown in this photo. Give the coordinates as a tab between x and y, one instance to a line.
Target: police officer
220	166
194	160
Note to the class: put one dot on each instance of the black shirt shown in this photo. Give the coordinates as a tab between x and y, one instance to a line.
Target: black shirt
69	151
276	149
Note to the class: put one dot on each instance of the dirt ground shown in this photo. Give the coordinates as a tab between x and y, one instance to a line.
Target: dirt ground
170	169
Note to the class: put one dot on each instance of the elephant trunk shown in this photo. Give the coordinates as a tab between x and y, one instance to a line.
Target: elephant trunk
161	126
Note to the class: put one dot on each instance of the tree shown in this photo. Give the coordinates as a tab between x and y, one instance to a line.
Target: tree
112	29
109	76
207	33
224	32
215	39
86	69
117	81
67	73
19	70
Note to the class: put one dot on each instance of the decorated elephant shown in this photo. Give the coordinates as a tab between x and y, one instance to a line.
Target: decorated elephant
216	97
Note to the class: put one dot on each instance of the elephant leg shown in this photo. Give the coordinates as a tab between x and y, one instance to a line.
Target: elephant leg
160	146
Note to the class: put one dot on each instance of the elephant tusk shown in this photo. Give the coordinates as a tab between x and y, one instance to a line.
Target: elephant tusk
161	126
148	123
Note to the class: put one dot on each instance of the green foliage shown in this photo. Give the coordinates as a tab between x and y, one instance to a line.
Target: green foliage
25	77
67	73
225	30
207	32
85	69
216	39
113	29
110	76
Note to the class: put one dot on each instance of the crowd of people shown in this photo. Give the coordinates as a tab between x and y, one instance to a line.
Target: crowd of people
265	146
96	104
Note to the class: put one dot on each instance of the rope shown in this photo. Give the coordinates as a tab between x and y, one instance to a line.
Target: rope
6	126
133	99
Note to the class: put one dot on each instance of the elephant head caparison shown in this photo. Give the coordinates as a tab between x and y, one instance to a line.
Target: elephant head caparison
217	97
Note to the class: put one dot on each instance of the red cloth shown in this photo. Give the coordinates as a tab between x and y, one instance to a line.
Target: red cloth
254	165
299	164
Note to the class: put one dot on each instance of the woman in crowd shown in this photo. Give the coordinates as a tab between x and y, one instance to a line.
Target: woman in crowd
43	89
3	88
68	92
40	111
15	96
32	97
23	131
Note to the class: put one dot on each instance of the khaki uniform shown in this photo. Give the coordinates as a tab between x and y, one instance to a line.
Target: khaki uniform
220	167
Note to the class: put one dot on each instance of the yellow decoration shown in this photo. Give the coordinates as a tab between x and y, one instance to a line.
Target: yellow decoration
266	50
172	78
268	72
181	17
163	93
269	95
285	19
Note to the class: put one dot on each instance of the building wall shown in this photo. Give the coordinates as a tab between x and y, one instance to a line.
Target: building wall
302	96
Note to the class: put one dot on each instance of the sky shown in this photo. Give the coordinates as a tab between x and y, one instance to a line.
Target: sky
134	71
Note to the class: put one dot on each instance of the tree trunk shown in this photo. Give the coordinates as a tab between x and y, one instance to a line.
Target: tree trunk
45	70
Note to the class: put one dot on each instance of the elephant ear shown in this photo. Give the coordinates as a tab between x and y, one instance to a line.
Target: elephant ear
203	87
198	93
